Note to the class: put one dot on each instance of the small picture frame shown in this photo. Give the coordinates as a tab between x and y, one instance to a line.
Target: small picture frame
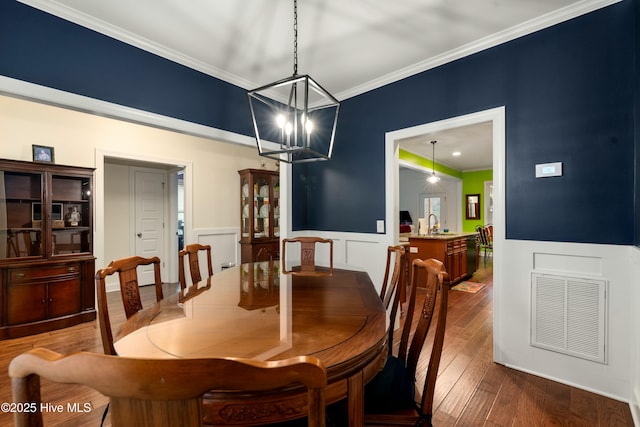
43	154
473	206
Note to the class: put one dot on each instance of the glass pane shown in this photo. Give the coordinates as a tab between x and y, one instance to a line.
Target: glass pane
261	207
20	215
70	215
244	205
70	240
432	211
276	208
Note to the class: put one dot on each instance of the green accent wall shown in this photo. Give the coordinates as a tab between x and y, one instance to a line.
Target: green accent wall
473	183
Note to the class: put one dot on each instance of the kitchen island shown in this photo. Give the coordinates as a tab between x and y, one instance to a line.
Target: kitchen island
458	252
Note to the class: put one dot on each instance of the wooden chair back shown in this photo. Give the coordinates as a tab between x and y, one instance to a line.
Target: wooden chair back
307	256
437	283
489	229
191	253
161	392
394	274
436	288
126	268
485	239
394	286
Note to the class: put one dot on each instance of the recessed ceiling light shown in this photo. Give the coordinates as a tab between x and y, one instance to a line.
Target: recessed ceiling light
456	153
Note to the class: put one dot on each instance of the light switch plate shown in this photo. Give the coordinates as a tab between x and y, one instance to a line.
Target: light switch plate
380	225
545	170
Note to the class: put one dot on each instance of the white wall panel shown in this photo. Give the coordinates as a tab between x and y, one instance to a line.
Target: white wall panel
224	245
634	302
611	379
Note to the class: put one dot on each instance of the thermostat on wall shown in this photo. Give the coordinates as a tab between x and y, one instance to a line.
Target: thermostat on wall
545	170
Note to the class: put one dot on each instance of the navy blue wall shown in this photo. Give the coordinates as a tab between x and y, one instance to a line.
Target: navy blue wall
40	48
568	92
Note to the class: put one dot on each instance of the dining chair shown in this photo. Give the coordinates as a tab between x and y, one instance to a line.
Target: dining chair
392	398
485	240
394	286
161	392
307	256
126	268
394	274
191	252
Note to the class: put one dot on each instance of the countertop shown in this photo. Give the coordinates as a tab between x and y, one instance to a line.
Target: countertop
404	237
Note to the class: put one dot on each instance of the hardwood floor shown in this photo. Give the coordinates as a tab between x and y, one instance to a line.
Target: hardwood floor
471	389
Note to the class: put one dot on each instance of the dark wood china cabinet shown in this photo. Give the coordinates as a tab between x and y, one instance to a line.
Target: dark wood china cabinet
46	249
259	215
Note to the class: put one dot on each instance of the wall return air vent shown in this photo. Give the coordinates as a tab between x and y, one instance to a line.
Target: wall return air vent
569	315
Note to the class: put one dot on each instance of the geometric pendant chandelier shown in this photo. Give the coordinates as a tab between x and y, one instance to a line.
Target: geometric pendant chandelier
294	119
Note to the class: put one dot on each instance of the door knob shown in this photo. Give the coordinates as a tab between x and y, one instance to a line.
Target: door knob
139	234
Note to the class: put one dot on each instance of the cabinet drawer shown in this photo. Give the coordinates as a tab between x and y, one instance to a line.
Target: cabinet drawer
27	274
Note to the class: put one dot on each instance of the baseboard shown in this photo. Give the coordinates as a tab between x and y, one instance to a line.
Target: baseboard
634	405
569	383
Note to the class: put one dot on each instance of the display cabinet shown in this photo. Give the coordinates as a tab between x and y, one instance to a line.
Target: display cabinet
46	252
259	215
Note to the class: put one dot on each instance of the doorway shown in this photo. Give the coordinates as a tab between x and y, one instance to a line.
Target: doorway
392	147
116	224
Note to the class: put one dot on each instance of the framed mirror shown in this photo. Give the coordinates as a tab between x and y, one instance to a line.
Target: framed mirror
473	206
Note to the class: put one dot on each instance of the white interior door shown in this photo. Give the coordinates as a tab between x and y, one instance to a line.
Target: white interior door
149	203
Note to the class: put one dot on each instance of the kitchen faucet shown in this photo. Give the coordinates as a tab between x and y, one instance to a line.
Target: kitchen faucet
436	225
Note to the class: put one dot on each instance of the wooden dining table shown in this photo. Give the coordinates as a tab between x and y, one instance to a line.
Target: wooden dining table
254	311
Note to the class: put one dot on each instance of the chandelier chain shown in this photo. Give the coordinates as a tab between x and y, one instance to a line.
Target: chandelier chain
295	37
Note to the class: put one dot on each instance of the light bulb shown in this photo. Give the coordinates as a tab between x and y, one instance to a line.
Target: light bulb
288	128
280	120
433	178
309	126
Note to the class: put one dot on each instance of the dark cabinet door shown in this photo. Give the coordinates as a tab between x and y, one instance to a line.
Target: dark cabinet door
63	297
26	302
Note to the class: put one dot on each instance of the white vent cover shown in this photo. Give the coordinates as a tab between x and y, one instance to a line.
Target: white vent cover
568	315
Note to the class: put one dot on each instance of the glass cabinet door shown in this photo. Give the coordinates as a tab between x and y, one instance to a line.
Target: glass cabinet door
21	214
262	207
244	207
276	206
70	215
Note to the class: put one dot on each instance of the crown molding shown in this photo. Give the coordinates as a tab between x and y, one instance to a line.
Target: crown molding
62	11
564	14
545	21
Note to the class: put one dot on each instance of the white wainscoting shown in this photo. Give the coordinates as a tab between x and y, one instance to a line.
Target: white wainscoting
589	261
634	300
225	249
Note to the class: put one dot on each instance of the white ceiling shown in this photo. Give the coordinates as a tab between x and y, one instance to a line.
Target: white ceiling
473	142
347	46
